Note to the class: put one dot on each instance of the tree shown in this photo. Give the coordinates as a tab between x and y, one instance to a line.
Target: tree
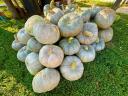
117	4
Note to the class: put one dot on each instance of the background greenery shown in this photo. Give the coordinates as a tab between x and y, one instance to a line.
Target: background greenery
106	76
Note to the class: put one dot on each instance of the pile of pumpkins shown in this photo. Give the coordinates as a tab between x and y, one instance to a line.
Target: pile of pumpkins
61	42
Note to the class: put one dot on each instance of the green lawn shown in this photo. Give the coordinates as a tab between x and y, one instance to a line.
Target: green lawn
106	76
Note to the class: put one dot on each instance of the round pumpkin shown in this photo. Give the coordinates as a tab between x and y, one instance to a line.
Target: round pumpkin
45	80
105	18
94	10
31	22
72	68
70	45
99	44
16	45
22	54
106	34
33	45
70	25
87	53
46	33
51	56
32	63
89	33
46	9
54	15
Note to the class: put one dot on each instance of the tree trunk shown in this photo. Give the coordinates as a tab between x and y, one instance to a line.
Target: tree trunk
12	8
117	4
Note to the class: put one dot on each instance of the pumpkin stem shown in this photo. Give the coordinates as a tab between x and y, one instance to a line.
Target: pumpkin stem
70	39
15	36
87	33
63	7
78	8
86	47
52	4
97	40
73	65
47	21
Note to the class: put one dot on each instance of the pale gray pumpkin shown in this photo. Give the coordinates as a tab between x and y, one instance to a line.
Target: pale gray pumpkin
70	45
70	25
32	63
46	9
72	68
33	45
54	15
89	33
87	53
46	33
94	10
51	56
105	18
45	80
16	45
22	54
99	44
31	22
70	8
106	34
22	36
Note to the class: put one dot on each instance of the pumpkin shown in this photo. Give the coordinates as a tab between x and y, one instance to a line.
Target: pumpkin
45	80
70	25
31	22
16	45
33	45
54	15
22	36
46	33
70	45
106	34
105	18
86	53
99	44
32	63
22	54
94	10
89	33
70	8
46	9
51	56
72	68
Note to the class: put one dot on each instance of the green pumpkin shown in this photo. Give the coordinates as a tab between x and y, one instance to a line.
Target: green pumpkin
105	18
31	22
72	68
32	63
33	45
89	33
22	54
87	53
22	36
106	34
99	44
70	45
45	80
70	25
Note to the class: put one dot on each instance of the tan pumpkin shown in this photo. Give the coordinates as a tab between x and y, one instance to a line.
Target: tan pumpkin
45	80
46	33
89	33
51	56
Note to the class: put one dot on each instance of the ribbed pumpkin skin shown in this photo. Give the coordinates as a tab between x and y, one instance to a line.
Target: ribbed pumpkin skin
106	34
54	15
86	55
67	70
105	18
33	45
31	22
100	45
51	56
32	63
71	47
46	33
91	28
94	10
22	36
45	80
16	45
22	54
70	25
46	9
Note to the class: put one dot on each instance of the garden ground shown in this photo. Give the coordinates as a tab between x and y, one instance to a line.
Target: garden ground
106	76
